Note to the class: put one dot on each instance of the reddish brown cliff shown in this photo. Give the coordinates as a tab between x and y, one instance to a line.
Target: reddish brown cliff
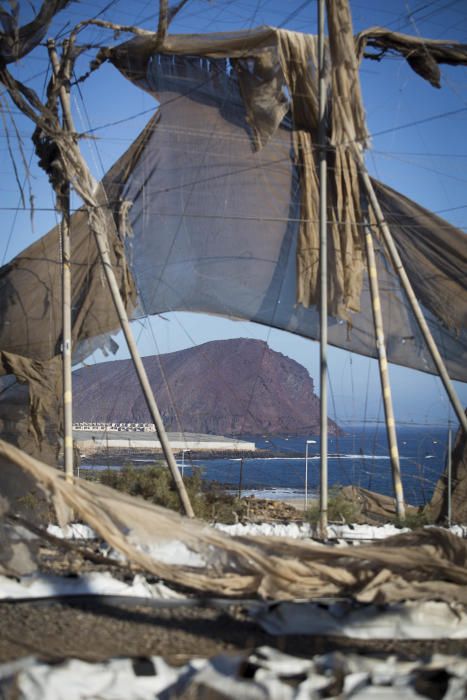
224	387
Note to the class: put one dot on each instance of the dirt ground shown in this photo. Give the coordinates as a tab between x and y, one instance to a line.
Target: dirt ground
95	630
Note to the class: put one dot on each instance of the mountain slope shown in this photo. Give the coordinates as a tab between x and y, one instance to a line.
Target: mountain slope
224	387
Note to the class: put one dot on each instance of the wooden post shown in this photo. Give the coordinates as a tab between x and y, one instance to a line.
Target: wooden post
413	301
384	375
449	478
63	200
240	480
68	453
323	262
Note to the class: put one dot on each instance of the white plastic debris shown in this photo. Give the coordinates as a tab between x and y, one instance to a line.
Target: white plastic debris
364	532
294	530
94	583
114	680
73	531
304	530
409	620
172	552
264	674
169	552
348	532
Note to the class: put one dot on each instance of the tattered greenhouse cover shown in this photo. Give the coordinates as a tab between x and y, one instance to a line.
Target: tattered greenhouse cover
214	209
224	212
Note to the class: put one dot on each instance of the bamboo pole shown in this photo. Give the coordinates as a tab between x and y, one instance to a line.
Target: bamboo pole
63	201
449	478
103	249
413	301
240	480
384	375
68	454
323	258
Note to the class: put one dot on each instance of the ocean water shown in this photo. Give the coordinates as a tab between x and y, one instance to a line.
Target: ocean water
360	457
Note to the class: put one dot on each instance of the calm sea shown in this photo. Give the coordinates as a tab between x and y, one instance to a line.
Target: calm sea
359	457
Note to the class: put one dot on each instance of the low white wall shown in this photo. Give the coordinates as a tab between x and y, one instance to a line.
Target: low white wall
177	445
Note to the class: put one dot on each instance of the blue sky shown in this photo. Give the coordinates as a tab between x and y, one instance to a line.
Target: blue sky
425	161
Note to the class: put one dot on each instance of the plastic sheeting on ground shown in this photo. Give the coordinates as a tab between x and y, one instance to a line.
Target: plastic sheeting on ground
352	532
168	552
265	673
73	531
93	583
410	620
420	620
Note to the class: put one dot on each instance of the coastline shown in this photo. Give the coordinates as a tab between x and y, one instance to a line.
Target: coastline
114	457
298	503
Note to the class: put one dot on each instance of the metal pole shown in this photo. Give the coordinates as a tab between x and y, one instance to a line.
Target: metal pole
384	375
103	248
63	200
240	481
449	477
323	257
413	301
306	475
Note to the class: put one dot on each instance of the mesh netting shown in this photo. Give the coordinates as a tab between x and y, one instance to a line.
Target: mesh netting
224	217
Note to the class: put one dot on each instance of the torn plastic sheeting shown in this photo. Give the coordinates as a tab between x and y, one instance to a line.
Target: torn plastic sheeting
116	679
250	678
244	272
172	552
271	64
16	41
459	530
168	552
355	532
94	583
294	530
264	673
419	620
426	564
364	532
422	55
73	531
303	531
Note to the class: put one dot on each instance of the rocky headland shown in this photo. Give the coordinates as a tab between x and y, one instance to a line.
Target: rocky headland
223	387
